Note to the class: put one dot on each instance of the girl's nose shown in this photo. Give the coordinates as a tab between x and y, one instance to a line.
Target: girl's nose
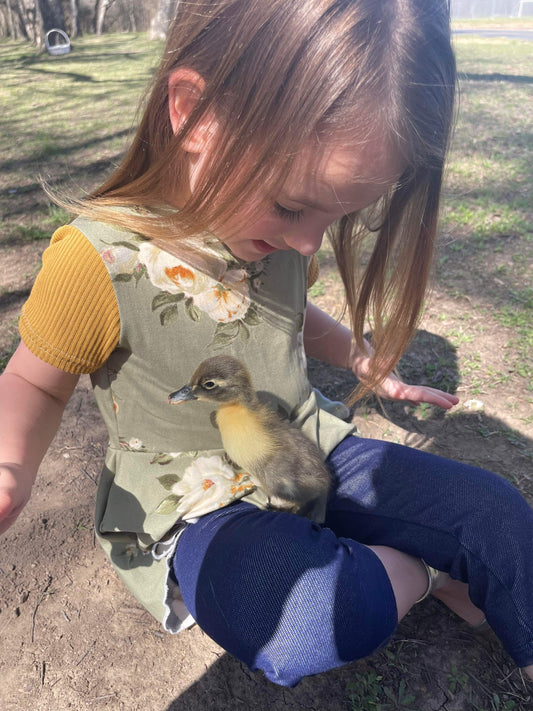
304	240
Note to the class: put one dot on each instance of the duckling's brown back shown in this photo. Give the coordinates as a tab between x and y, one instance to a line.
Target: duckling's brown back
297	474
286	464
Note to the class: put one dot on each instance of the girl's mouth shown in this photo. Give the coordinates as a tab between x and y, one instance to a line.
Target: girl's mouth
264	247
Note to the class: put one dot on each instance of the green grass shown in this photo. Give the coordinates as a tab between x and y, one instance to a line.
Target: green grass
317	289
494	22
66	120
486	250
8	342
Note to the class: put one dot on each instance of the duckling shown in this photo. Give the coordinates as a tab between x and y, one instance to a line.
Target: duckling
286	464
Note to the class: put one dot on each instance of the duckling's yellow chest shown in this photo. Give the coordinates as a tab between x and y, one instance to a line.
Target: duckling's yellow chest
244	436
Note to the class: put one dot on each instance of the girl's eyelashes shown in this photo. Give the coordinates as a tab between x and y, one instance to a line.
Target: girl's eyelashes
286	214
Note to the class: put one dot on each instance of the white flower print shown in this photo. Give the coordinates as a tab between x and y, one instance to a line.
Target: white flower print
227	300
134	444
223	301
207	484
120	260
169	273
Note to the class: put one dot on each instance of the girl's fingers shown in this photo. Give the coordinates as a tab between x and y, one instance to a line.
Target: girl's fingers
394	389
438	397
416	394
8	512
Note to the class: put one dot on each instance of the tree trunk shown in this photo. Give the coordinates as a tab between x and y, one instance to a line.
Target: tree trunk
74	18
100	10
10	23
51	13
38	25
161	19
24	22
133	21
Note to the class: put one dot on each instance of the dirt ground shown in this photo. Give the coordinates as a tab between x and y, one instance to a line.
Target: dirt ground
73	638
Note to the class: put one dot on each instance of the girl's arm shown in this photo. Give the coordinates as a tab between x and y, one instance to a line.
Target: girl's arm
329	341
33	396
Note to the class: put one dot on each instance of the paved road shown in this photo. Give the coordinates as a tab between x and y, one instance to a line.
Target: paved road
508	34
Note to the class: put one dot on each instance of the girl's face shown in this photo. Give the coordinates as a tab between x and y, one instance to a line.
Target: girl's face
326	182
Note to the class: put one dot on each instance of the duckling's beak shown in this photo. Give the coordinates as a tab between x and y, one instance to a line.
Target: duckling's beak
185	393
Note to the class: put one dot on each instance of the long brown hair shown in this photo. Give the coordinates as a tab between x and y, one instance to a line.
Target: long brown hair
274	71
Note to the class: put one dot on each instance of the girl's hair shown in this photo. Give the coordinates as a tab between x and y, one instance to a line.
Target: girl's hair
275	72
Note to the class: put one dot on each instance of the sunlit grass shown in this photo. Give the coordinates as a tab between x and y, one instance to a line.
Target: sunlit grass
486	249
66	120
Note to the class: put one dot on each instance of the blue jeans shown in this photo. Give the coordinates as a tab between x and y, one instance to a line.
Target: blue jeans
293	598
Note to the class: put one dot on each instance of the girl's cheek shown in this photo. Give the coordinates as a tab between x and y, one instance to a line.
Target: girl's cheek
263	228
267	227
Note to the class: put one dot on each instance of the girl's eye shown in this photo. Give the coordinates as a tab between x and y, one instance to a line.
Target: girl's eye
286	214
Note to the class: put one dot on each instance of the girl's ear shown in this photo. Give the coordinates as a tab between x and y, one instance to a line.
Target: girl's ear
185	88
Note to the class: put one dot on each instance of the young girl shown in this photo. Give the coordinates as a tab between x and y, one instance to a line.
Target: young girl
268	124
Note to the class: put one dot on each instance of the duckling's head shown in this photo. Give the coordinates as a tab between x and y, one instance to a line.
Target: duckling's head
221	379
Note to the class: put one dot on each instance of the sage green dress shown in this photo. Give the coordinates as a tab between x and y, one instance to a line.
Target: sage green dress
165	465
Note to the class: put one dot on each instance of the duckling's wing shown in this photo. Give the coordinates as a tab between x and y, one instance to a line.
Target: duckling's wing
294	468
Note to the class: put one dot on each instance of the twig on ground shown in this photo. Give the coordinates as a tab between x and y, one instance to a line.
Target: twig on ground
84	471
101	698
80	660
41	598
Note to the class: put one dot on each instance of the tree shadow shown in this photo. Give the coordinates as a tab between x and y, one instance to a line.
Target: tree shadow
228	685
496	76
63	151
8	298
80	56
15	202
51	71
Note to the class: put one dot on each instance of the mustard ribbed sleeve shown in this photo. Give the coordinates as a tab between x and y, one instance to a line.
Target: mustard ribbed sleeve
71	319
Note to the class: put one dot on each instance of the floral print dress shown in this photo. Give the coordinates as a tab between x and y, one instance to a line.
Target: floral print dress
165	466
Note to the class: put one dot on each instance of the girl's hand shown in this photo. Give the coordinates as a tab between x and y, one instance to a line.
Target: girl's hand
394	389
33	395
15	490
331	342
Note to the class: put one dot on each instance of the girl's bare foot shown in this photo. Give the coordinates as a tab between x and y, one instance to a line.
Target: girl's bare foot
454	594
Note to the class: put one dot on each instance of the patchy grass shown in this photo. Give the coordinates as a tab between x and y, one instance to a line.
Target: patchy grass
494	23
64	120
486	252
8	343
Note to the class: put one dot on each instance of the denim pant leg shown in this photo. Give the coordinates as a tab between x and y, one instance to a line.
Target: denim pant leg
283	594
466	521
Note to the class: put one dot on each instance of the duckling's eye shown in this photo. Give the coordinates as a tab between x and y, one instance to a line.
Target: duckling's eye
209	384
